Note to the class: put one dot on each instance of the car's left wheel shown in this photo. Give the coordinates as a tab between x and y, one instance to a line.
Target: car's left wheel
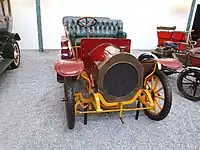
161	94
60	79
69	102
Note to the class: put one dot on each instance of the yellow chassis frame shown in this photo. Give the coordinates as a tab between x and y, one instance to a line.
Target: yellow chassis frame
97	104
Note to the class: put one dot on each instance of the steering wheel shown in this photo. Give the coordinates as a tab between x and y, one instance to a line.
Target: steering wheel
87	22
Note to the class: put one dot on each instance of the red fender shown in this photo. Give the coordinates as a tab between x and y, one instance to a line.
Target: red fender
170	63
69	68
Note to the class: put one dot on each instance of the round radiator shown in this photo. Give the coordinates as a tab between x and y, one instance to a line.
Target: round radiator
120	80
120	77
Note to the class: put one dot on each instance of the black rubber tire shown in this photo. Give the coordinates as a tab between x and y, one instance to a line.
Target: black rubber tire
60	79
13	65
168	98
180	85
69	103
168	73
145	56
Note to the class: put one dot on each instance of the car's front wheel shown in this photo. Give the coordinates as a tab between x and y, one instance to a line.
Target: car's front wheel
161	94
16	55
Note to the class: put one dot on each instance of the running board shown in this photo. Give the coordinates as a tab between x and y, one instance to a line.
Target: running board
4	63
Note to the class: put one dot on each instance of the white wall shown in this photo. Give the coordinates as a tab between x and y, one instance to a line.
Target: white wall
140	18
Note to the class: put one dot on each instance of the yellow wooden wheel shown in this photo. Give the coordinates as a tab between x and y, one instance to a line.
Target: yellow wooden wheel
161	94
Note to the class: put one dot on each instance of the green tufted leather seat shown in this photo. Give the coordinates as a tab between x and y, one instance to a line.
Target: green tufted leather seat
105	28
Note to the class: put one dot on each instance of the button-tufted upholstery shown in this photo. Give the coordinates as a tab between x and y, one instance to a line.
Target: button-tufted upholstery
105	27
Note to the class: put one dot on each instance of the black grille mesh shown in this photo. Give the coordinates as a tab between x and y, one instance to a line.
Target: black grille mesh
120	80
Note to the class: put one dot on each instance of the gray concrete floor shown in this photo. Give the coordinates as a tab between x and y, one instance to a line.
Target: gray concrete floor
33	118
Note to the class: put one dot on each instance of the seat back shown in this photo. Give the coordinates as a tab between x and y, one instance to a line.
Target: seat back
179	36
164	36
174	36
105	27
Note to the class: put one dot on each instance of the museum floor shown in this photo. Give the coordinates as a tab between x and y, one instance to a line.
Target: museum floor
32	117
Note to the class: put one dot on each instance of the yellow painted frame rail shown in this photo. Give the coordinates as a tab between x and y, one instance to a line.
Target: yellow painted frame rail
97	104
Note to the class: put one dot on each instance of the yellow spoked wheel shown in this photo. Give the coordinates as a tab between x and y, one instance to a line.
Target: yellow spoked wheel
161	93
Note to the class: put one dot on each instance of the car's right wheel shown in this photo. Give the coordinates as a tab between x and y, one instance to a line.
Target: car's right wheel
167	72
69	102
161	94
158	53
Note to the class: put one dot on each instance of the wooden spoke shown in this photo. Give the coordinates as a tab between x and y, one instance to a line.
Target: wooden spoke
195	90
155	107
159	90
158	104
160	97
187	83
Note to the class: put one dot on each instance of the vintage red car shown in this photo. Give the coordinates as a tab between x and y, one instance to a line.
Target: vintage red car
174	44
101	75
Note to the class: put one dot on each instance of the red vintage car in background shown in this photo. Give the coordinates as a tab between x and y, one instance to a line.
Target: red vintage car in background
174	44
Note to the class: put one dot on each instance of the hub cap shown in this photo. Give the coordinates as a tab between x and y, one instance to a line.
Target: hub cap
16	54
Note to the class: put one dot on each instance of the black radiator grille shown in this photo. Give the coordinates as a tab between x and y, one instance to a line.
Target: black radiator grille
120	80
